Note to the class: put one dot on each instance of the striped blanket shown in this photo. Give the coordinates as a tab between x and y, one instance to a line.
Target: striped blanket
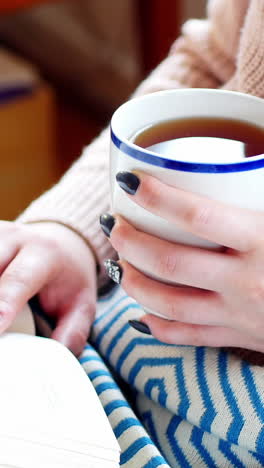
173	406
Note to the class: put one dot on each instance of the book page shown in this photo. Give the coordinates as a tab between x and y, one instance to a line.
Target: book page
24	454
47	398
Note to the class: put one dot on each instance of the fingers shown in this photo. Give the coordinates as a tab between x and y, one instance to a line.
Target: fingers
187	305
172	263
74	324
199	335
215	221
22	279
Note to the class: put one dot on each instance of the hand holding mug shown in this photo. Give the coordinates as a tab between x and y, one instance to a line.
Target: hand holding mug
224	303
189	222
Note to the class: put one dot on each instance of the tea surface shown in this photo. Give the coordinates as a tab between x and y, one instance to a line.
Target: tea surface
202	139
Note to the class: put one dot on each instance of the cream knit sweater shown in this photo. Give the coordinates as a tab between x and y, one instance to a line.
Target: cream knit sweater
225	50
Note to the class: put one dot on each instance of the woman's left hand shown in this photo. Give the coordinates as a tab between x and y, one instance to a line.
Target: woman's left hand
224	303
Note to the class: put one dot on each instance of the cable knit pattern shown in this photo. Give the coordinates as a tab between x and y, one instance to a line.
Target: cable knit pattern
225	50
250	65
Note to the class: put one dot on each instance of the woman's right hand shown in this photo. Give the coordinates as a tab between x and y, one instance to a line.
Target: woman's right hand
54	262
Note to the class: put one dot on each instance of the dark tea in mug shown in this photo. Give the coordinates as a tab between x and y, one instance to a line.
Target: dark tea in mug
202	139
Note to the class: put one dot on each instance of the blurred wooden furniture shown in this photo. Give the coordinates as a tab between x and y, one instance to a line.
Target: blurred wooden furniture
35	152
28	142
9	5
159	26
27	149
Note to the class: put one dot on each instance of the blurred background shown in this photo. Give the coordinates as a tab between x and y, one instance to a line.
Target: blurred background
64	68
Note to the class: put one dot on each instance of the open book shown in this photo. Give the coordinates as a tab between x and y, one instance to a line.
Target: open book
50	415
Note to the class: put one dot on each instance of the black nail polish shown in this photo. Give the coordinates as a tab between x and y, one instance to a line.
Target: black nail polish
140	326
128	181
114	270
107	222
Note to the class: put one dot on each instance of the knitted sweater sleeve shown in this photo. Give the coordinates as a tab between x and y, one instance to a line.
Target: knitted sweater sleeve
197	59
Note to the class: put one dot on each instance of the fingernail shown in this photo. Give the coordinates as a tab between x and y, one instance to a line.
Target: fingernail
128	181
114	270
140	326
107	222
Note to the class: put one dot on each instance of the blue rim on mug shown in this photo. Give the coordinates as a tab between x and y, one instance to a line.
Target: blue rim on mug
155	159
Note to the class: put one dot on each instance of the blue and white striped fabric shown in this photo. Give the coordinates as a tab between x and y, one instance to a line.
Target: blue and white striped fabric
195	407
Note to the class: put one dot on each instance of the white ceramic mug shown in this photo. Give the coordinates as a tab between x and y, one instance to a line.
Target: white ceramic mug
237	183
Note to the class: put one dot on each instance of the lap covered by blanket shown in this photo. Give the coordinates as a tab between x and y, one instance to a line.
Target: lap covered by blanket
173	406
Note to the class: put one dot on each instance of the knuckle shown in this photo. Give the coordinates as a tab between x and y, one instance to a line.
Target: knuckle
199	216
166	265
42	247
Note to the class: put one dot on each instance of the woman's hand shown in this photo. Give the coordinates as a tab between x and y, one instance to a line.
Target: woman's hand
224	303
50	260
